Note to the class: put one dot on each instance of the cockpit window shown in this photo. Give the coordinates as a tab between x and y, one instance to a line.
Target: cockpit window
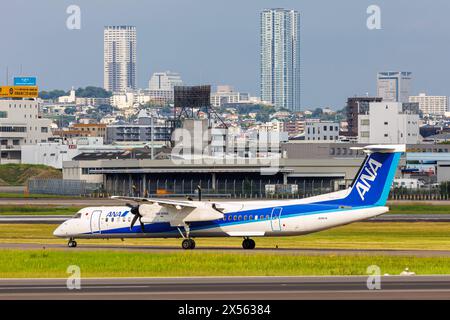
77	215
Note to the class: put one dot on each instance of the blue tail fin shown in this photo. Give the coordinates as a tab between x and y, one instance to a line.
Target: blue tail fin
372	184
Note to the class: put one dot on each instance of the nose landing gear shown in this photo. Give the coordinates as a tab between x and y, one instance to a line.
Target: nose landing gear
72	243
248	244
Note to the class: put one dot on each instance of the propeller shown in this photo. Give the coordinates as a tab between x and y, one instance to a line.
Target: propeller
199	189
135	211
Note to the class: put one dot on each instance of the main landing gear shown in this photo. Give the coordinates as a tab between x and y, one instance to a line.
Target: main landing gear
72	243
188	244
248	243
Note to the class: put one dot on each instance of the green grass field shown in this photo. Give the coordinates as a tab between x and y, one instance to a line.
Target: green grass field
364	235
38	210
419	209
54	263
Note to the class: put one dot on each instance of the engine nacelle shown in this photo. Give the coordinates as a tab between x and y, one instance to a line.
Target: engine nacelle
203	214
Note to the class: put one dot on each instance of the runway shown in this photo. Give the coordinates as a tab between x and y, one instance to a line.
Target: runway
223	249
229	288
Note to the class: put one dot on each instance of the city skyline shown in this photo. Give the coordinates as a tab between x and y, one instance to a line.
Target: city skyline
340	55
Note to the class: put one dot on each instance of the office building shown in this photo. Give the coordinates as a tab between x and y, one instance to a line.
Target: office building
226	95
280	58
21	124
164	81
431	105
90	129
390	123
119	58
324	131
394	86
146	129
161	85
355	107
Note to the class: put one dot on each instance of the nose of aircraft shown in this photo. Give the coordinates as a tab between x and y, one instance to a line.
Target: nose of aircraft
60	231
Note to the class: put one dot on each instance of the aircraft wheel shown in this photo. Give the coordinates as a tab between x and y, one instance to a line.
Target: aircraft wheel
188	244
246	244
252	244
72	243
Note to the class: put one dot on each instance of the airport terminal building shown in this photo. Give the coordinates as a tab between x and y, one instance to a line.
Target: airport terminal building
314	167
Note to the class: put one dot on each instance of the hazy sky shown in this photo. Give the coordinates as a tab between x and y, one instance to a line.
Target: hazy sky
217	42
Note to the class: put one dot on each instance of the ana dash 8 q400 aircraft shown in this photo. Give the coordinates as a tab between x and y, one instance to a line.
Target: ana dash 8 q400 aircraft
162	218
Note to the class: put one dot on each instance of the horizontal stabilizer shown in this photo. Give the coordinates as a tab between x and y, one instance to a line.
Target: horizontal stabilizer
380	148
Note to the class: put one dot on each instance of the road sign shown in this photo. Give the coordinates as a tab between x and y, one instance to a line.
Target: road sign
19	92
24	81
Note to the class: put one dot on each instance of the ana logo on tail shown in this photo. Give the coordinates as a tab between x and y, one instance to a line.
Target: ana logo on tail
368	175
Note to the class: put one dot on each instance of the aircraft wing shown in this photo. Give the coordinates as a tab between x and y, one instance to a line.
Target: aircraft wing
181	211
174	203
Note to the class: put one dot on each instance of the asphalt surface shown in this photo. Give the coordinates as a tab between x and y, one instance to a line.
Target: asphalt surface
58	219
32	219
223	249
229	288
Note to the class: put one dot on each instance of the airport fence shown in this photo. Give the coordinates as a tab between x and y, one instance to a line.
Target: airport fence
63	187
237	189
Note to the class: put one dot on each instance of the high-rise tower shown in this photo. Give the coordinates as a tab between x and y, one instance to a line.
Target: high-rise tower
280	58
119	58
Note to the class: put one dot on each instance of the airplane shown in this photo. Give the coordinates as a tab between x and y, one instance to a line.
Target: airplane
189	219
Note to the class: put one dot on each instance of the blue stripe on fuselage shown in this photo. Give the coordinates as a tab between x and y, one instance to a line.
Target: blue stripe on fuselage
288	212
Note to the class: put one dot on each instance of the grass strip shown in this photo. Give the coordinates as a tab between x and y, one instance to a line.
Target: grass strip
54	263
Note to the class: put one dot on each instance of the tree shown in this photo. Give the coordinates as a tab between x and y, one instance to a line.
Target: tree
51	95
92	92
70	110
105	108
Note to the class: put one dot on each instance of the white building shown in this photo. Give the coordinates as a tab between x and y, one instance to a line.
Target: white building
227	95
119	58
161	85
431	105
389	123
164	81
68	99
280	58
123	100
321	131
394	86
21	124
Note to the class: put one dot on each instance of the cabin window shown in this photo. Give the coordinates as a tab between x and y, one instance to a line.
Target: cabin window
239	218
106	219
234	218
229	218
245	218
261	217
224	218
267	217
112	219
250	217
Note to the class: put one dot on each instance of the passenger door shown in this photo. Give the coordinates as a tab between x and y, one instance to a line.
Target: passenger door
95	221
275	218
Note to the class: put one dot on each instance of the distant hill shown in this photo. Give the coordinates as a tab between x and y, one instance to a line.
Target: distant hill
18	174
